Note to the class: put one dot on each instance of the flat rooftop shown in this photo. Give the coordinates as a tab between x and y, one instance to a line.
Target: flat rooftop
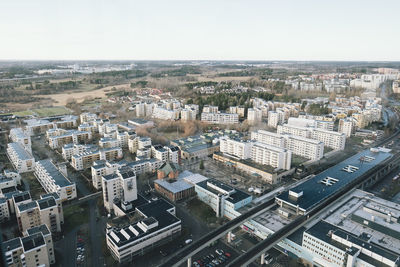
360	207
326	183
21	152
56	175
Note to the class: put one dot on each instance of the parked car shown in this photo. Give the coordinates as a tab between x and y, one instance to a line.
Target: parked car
219	251
188	241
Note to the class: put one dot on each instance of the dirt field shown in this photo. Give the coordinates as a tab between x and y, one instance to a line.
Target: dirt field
62	99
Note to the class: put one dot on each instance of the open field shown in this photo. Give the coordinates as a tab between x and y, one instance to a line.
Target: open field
44	112
63	98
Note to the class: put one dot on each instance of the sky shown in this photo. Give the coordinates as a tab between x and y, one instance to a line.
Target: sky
200	30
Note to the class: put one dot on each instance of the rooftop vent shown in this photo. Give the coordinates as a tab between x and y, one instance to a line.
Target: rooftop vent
350	169
328	181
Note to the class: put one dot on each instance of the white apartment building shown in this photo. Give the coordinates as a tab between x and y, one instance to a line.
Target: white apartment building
69	150
330	139
166	114
159	152
210	109
236	148
119	188
305	147
87	117
188	114
254	115
9	178
59	137
107	142
44	230
174	154
136	142
346	126
86	159
220	118
107	128
270	138
193	107
276	118
294	130
22	160
55	181
276	157
17	135
88	127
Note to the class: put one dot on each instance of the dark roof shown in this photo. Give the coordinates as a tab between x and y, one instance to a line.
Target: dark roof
53	194
110	176
47	202
32	241
39	229
169	167
58	177
12	244
21	196
174	148
314	191
155	211
238	196
27	206
126	172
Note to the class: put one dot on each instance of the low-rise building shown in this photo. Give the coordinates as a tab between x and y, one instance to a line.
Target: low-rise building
220	118
222	198
21	159
17	135
85	160
55	181
158	226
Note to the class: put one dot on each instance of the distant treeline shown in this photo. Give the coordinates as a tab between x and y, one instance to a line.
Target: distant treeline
183	71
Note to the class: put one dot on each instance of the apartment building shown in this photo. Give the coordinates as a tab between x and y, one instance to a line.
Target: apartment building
305	147
270	138
157	226
236	147
107	128
85	160
254	115
66	122
88	127
305	122
17	135
220	118
38	126
330	139
276	118
4	210
188	114
166	114
174	154
37	212
21	159
87	117
9	178
31	250
294	130
119	188
210	109
59	137
102	167
72	149
107	142
238	110
136	142
44	230
55	181
276	157
347	126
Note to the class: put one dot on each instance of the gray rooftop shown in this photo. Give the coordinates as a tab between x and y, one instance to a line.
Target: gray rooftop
58	177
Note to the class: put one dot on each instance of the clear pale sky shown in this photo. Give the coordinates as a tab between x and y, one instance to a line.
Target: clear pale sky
200	30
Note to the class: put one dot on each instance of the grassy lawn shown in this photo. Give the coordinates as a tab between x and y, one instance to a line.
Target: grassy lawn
35	187
201	210
75	215
53	111
297	160
24	113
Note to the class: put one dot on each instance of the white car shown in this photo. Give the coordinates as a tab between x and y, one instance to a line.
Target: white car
219	251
